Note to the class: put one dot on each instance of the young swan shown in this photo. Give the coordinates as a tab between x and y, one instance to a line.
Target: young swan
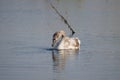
60	41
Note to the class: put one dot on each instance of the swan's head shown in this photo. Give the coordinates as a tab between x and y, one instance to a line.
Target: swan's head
57	36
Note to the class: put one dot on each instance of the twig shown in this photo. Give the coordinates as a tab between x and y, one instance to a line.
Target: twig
65	21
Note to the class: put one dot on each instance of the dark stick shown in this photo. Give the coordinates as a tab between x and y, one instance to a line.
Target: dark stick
65	21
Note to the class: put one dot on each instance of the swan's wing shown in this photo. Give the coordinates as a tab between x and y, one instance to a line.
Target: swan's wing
72	43
69	43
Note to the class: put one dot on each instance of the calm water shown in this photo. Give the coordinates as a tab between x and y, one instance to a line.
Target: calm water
26	29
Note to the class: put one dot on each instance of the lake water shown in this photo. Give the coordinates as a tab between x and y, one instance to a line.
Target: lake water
26	29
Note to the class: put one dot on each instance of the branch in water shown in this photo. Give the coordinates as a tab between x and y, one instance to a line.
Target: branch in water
65	21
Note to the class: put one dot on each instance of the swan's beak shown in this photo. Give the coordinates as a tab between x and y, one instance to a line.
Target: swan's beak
53	43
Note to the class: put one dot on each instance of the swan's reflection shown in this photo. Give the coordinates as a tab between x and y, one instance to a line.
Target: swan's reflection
60	57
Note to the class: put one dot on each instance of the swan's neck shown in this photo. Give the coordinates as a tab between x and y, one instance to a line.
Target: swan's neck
59	41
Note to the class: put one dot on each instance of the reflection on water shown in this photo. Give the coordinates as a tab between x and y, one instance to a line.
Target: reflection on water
61	62
60	56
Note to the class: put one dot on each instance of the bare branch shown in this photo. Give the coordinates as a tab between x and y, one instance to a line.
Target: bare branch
65	21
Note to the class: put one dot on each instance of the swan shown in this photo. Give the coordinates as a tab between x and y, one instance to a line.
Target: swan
61	41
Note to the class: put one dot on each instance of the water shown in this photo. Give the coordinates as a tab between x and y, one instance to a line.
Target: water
26	29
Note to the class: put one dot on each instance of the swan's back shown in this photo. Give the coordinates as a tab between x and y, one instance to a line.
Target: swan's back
69	43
